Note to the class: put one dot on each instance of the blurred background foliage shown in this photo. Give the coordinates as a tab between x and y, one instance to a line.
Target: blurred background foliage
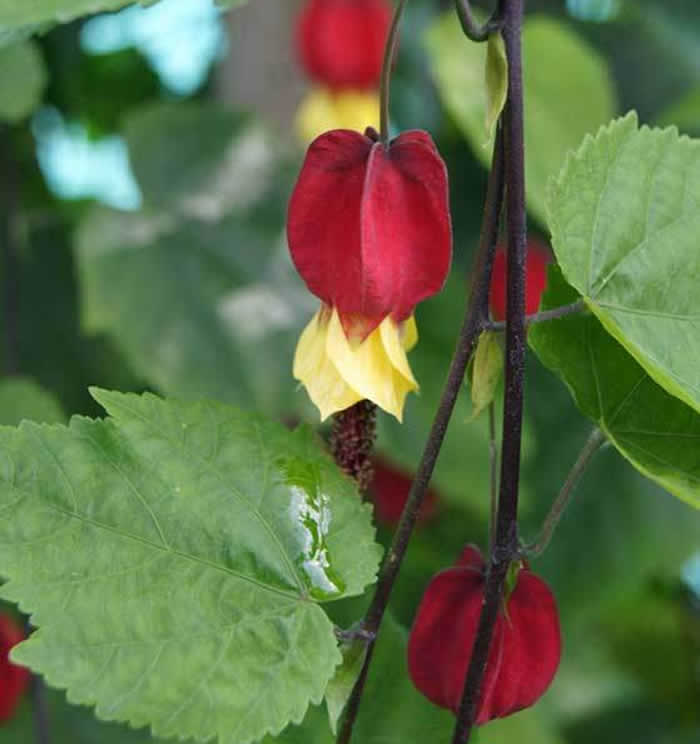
147	157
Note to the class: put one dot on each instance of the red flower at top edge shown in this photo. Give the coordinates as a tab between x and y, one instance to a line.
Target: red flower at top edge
525	650
369	225
538	257
13	679
341	42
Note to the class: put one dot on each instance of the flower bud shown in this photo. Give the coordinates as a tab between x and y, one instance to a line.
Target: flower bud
525	648
341	42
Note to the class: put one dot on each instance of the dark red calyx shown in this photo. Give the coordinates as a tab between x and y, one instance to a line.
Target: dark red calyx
525	649
369	226
389	492
538	258
341	42
13	679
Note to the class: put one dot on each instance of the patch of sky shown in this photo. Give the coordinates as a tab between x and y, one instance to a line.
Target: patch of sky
76	167
180	39
599	11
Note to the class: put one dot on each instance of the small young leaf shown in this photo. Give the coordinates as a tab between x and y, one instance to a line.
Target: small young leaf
654	431
486	372
496	81
625	216
173	557
340	687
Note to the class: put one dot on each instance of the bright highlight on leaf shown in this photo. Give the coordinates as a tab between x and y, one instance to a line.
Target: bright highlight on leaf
338	372
625	219
173	556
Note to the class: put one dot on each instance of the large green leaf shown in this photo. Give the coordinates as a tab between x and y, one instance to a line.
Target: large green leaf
568	92
656	432
198	288
22	81
392	711
173	557
625	216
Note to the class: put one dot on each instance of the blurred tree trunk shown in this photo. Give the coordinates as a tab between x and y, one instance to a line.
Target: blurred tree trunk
260	71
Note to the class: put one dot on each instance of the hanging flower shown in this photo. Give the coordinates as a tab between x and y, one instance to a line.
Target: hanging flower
369	231
538	258
13	679
341	42
525	649
389	492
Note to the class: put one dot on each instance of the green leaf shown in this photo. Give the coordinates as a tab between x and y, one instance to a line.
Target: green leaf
654	431
496	81
23	80
392	711
173	556
486	372
684	113
198	289
346	674
568	92
21	398
624	216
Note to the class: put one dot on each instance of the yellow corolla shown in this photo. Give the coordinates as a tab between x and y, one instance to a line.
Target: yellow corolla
338	372
323	110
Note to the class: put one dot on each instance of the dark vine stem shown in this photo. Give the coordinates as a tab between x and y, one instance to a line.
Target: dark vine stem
595	441
471	28
506	543
387	65
474	319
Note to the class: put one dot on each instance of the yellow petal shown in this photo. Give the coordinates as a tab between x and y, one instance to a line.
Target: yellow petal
376	368
322	110
328	391
409	333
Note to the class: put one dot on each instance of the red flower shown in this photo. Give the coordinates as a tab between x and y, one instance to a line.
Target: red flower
525	650
389	492
13	679
341	42
538	256
369	225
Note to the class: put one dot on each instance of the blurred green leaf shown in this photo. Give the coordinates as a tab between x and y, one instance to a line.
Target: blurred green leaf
200	293
173	557
624	215
15	14
23	80
340	687
568	92
392	711
656	432
21	398
684	113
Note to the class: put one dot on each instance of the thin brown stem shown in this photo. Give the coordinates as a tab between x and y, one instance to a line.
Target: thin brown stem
387	66
471	328
472	29
542	317
596	440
